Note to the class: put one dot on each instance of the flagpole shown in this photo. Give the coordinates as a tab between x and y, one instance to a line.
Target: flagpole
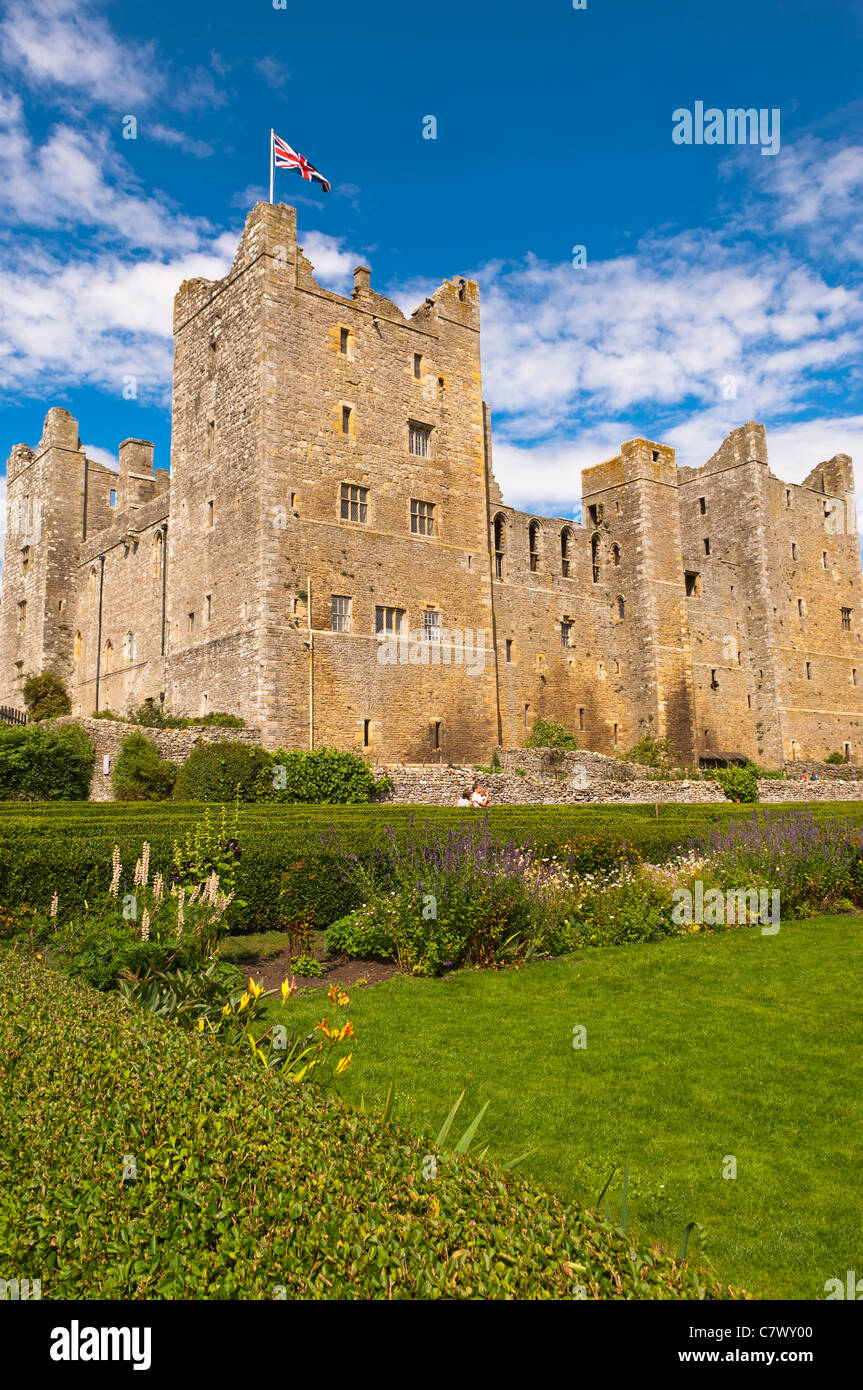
271	164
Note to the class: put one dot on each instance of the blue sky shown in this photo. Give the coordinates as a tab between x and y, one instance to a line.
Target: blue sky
704	263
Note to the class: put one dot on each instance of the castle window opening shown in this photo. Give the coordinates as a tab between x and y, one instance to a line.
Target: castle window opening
431	625
702	505
366	727
205	700
748	701
346	419
435	734
210	514
211	435
581	719
846	619
617	668
340	613
78	646
422	517
707	545
615	554
25	557
208	607
824	559
533	545
846	748
853	675
692	581
566	633
389	620
565	551
621	607
344	340
22	613
714	683
191	618
112	497
656	456
509	649
793	550
788	497
594	557
801	608
354	503
594	511
130	646
527	716
418	440
809	670
418	365
293	501
109	654
616	733
461	289
499	541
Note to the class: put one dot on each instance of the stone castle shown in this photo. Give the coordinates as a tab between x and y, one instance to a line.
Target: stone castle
331	558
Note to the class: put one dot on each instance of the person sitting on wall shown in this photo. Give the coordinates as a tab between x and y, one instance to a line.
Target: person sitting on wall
479	795
464	797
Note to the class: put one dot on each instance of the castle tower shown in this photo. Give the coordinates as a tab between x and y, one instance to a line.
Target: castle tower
631	510
328	487
45	501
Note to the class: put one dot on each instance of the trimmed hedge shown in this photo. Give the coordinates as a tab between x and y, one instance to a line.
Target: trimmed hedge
245	1186
218	772
38	765
69	847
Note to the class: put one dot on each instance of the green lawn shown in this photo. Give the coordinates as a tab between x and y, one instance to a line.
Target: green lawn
698	1048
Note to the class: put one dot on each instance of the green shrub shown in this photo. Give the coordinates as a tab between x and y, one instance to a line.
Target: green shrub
651	751
319	776
140	774
38	765
46	696
221	772
343	1212
152	716
738	783
547	735
836	759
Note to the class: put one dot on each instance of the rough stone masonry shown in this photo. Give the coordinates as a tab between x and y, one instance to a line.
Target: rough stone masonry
331	558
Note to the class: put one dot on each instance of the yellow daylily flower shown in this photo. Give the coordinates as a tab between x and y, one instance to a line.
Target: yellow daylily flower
343	1064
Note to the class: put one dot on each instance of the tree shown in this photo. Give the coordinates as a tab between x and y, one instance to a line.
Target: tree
46	696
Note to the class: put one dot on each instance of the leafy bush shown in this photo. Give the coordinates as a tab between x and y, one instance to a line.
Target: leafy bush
651	751
221	772
319	775
738	783
46	696
547	735
439	899
110	1083
152	716
38	765
140	774
812	863
836	759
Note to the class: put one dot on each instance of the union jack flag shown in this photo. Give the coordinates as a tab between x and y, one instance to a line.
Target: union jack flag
286	158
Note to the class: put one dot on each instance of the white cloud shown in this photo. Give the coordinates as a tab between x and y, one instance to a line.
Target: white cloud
66	44
274	73
333	264
178	139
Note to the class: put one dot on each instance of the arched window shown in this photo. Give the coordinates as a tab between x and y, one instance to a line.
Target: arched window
615	554
499	544
156	555
109	654
129	646
533	545
621	607
93	577
565	550
78	646
594	558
